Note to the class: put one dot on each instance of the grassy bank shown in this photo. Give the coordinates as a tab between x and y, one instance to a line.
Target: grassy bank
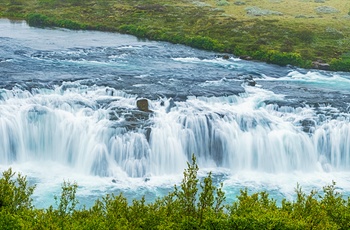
296	32
194	204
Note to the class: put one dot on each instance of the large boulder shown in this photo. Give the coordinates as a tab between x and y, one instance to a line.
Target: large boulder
320	65
142	105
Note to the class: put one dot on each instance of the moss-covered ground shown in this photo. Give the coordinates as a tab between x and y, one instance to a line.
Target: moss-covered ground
296	32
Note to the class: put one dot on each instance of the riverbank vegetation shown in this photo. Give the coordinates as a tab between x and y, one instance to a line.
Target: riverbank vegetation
304	33
194	204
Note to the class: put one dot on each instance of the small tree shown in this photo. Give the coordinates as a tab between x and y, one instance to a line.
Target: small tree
206	197
188	192
68	200
194	205
66	203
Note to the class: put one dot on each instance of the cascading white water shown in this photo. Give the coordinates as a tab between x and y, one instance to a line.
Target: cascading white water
88	129
66	126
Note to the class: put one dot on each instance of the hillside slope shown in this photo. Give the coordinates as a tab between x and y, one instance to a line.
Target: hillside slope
304	33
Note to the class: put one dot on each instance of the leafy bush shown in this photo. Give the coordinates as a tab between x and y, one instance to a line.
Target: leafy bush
38	20
281	58
340	64
15	195
202	42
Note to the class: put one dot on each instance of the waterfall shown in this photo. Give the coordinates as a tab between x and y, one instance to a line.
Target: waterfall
99	131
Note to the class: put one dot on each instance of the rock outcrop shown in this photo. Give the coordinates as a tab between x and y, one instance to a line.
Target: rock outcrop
142	105
320	65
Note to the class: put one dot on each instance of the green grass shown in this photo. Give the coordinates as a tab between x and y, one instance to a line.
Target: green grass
298	36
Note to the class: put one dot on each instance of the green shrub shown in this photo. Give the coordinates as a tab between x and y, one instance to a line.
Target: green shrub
206	43
70	24
15	194
340	64
281	58
38	20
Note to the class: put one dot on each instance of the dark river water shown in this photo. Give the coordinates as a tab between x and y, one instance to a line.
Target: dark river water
69	110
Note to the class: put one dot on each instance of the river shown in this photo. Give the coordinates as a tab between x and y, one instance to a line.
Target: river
68	111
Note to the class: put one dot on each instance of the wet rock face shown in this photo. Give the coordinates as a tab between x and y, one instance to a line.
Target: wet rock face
131	119
171	105
248	79
308	125
142	104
